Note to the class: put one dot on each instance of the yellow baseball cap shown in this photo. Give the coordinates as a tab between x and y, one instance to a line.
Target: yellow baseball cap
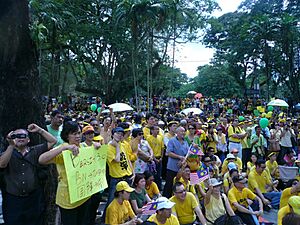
294	202
123	186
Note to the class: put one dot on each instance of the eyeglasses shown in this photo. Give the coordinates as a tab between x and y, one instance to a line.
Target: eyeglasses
19	136
180	192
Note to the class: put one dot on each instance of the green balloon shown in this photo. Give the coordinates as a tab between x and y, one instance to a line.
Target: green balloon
241	118
256	112
93	107
270	108
263	122
99	110
229	111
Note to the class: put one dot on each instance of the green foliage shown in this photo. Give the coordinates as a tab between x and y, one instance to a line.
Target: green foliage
111	48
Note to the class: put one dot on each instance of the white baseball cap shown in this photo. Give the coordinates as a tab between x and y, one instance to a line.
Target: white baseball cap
164	203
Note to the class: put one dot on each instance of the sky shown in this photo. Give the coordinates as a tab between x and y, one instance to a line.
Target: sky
191	55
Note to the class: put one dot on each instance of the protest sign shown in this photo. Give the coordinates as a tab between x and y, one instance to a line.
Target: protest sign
85	172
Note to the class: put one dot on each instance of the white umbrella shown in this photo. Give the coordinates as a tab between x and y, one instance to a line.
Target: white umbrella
194	110
119	107
191	93
278	102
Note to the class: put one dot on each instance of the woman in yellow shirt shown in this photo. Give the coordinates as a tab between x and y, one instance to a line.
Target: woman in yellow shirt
71	213
272	165
151	186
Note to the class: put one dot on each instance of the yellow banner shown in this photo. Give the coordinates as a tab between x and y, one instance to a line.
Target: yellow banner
85	172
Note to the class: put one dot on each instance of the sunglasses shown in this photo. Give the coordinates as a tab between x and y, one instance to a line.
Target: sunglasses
20	136
89	132
207	161
140	134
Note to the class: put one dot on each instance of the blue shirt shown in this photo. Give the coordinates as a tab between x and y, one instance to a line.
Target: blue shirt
175	146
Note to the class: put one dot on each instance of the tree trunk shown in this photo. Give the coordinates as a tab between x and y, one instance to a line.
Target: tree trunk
19	77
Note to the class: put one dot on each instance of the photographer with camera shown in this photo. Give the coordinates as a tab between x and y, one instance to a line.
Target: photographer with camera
286	145
23	197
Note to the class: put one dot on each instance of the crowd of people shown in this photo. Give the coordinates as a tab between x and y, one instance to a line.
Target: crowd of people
150	159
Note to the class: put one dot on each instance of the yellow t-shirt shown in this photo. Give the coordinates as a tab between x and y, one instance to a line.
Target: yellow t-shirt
234	195
214	209
118	213
170	221
185	210
250	166
286	194
282	212
62	193
238	163
118	169
132	156
157	144
146	131
231	131
273	166
152	189
259	181
187	185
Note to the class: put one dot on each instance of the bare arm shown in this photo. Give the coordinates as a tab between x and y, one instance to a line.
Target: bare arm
228	206
208	195
200	215
135	207
46	157
5	157
262	197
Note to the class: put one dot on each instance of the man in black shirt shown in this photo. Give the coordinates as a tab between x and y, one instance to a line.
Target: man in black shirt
23	197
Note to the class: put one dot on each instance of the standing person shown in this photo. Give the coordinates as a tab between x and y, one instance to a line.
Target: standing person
108	125
285	142
119	210
177	150
186	207
258	143
221	145
55	126
238	196
172	125
157	145
71	213
236	134
23	196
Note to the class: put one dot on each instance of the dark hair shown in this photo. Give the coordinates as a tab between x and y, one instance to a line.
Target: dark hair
147	174
290	183
55	112
148	115
177	184
117	193
259	162
206	156
291	219
123	125
69	128
137	119
136	131
232	171
137	178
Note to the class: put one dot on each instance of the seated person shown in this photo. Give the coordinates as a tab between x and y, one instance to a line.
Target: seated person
272	165
289	158
214	206
293	206
228	180
238	196
293	188
186	206
151	186
139	197
119	210
260	182
251	164
183	176
163	215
